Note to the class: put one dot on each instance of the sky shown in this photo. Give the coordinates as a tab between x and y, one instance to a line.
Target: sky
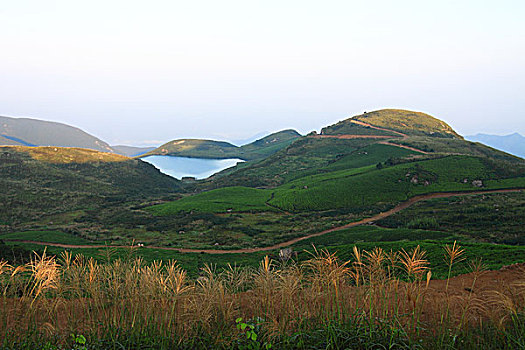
146	72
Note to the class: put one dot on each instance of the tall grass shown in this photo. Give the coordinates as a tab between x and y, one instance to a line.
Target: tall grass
377	299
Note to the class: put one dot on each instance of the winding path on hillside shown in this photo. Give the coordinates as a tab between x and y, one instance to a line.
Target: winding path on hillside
374	218
402	146
386	137
358	122
348	137
380	137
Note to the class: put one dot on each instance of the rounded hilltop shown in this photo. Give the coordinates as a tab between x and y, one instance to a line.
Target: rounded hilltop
392	122
408	122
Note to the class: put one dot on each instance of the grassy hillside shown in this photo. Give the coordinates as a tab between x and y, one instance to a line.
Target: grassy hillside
409	135
357	187
218	150
455	146
408	122
195	148
36	188
305	156
232	199
495	218
347	127
33	132
61	155
305	186
390	184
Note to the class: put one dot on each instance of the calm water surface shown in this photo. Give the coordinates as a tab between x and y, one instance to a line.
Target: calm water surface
199	168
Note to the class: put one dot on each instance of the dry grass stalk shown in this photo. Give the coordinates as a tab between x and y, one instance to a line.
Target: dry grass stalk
78	293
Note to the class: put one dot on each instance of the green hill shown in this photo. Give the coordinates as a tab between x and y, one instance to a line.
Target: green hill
358	187
342	144
219	150
33	132
396	121
341	175
307	156
365	187
293	186
44	181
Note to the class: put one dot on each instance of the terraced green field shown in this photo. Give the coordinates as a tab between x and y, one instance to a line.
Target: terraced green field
354	188
370	155
234	199
388	185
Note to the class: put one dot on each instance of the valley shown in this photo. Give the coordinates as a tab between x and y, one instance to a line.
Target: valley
352	172
389	184
262	175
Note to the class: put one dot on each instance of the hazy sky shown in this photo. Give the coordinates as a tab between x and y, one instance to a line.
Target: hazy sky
149	71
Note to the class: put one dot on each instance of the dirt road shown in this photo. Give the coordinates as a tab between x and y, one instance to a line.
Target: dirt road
377	127
379	216
402	146
348	137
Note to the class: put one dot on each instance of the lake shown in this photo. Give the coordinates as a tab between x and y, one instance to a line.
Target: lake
198	168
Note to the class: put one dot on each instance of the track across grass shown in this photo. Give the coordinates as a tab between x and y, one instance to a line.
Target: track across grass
372	219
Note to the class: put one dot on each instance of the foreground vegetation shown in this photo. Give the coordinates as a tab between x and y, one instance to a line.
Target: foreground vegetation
367	237
377	299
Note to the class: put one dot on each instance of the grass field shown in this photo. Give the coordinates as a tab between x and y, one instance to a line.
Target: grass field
496	218
45	236
235	199
388	185
342	242
121	301
355	187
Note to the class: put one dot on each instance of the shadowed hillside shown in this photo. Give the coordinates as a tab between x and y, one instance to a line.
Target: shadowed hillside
48	181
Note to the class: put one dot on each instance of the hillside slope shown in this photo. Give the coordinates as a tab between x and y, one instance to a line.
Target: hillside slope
38	183
34	132
351	143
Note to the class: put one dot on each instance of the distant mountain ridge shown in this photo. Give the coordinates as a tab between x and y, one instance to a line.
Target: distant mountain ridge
512	143
34	132
197	148
409	127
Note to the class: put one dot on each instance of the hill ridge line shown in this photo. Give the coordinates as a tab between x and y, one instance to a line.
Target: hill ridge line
397	208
